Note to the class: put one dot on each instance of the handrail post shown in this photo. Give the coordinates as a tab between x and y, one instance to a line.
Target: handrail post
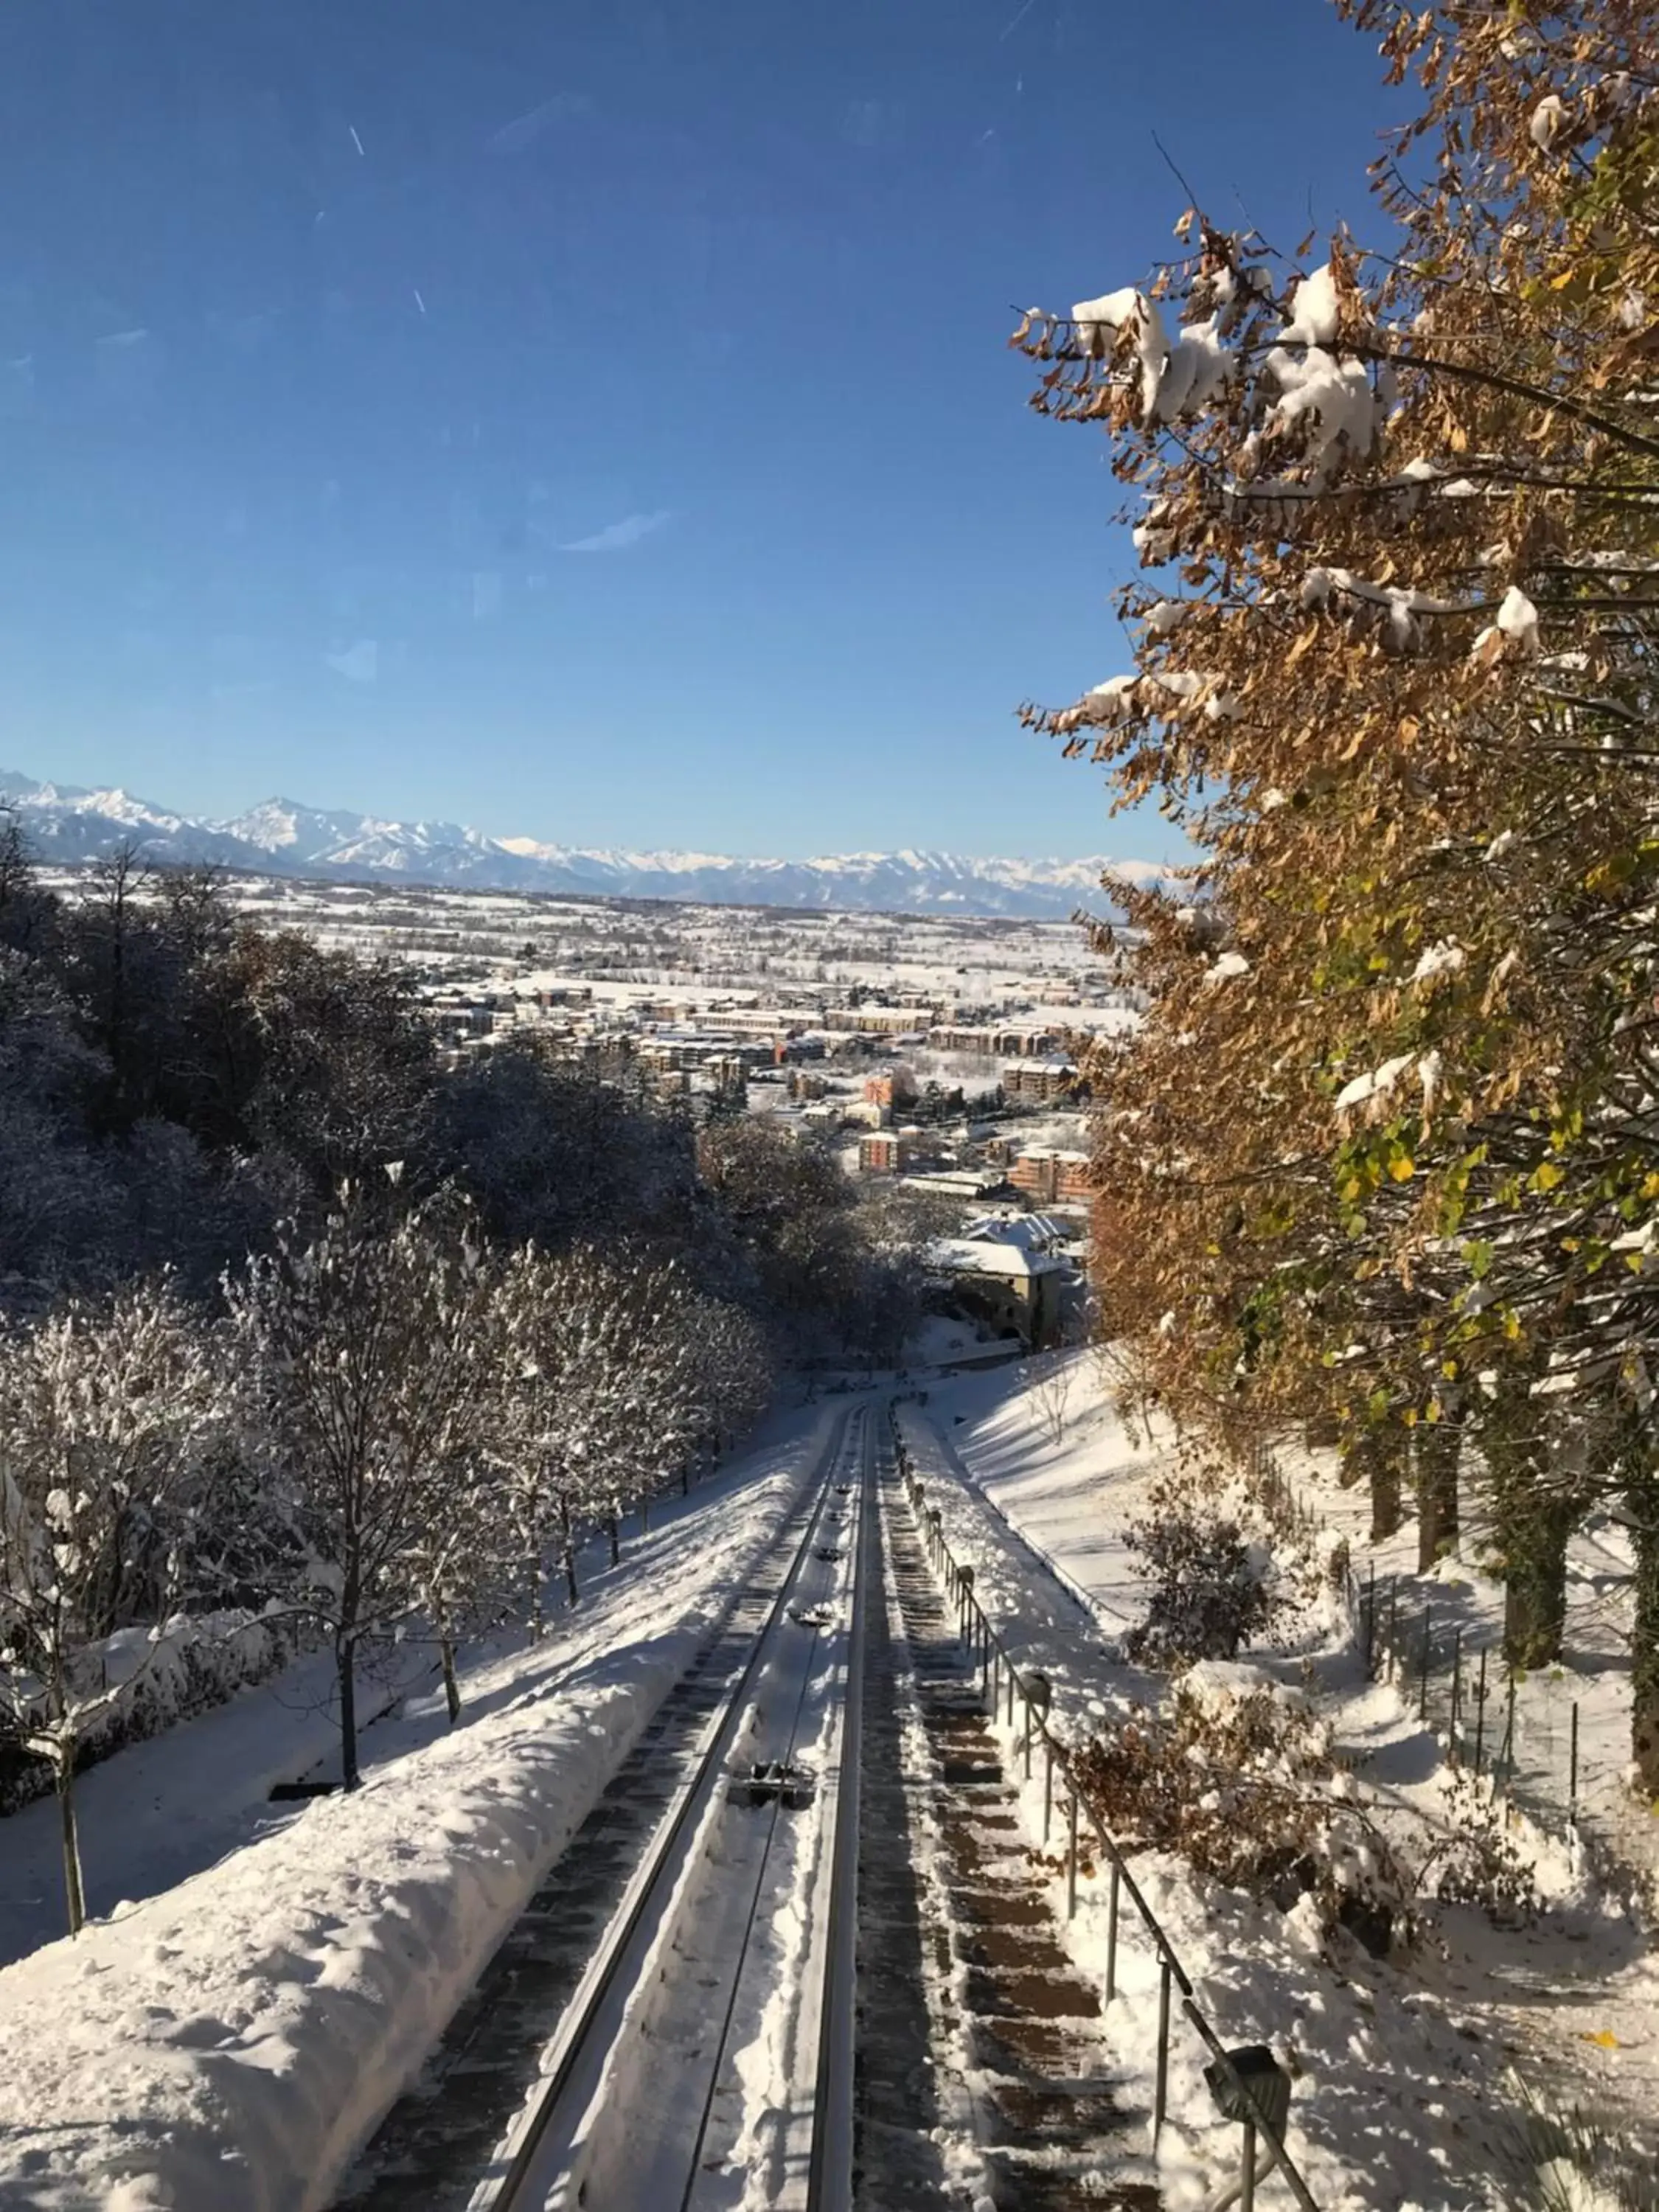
1161	2089
1480	1712
1111	1933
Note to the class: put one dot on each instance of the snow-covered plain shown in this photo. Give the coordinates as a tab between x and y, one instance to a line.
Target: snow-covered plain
1412	2077
227	2044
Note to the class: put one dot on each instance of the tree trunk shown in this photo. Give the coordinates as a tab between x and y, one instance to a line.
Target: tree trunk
345	1662
1385	1454
451	1687
75	1895
614	1527
1535	1584
685	1479
1642	1494
645	1516
538	1603
1436	1445
568	1541
1533	1516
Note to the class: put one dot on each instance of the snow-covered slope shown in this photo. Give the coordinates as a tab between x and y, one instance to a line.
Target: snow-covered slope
282	836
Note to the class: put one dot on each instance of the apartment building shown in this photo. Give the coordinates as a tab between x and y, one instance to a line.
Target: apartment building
1048	1176
993	1040
1039	1080
894	1086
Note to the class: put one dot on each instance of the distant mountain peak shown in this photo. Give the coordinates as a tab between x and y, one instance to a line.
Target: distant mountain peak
285	837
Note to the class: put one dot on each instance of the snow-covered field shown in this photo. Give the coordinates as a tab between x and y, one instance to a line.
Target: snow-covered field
230	2042
689	954
1412	2075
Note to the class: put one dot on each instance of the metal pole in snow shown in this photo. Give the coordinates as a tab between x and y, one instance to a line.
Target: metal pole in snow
1048	1784
1071	1858
1572	1780
1480	1713
1423	1698
1111	1934
1457	1689
1161	2093
1509	1734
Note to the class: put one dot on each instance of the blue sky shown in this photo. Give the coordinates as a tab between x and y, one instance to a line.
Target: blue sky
592	419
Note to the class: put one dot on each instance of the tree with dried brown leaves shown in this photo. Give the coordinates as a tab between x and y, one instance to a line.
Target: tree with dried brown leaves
1387	1149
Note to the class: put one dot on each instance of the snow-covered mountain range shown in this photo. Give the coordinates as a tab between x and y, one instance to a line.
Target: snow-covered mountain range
280	837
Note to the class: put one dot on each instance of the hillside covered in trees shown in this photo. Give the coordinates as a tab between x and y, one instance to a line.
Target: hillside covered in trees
307	1336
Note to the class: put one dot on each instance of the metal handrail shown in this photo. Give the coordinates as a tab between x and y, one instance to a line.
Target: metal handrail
996	1656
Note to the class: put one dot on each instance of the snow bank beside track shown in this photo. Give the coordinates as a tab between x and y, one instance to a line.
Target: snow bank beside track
229	2045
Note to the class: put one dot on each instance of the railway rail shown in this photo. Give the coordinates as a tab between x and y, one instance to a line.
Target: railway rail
664	1933
679	1992
749	1983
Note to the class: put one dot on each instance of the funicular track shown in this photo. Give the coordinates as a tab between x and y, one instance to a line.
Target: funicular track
974	2018
594	2062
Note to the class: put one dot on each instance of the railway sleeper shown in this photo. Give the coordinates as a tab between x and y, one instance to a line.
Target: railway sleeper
1051	2128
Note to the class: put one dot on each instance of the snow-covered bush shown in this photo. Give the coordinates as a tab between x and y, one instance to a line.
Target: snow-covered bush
1477	1861
1235	1776
1208	1594
196	1663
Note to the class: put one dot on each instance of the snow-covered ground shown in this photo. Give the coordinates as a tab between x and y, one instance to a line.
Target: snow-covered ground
230	2042
1594	1674
276	1977
1412	2075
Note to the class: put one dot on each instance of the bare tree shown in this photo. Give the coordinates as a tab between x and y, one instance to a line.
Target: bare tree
109	1413
1049	1386
367	1341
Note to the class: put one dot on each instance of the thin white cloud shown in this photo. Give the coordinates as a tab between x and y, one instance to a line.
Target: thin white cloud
358	664
522	132
618	536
